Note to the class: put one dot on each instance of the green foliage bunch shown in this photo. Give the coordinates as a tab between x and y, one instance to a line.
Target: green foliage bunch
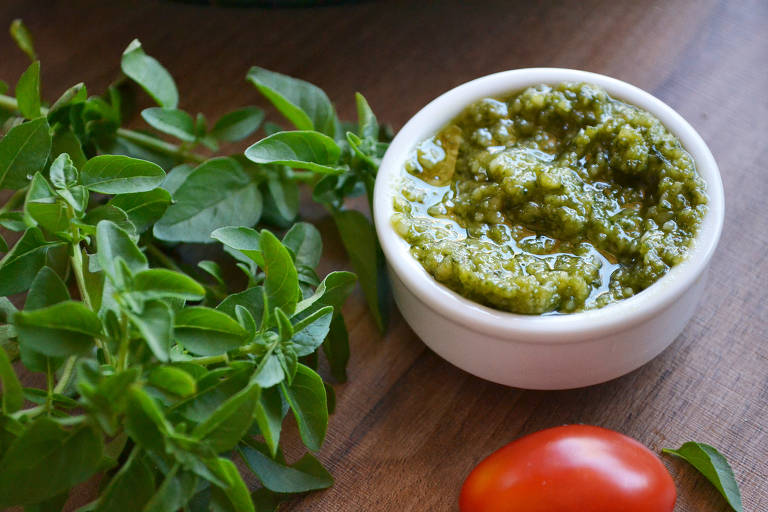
154	373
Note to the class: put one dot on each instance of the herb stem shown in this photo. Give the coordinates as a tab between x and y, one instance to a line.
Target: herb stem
77	266
50	384
122	354
141	139
66	375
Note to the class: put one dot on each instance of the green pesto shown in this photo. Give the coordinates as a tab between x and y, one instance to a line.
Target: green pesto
555	199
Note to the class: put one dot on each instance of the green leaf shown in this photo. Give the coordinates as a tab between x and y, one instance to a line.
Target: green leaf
711	463
368	127
42	206
284	193
64	329
13	395
143	208
217	193
131	487
150	75
208	332
245	240
46	290
238	124
160	283
285	329
117	174
225	427
175	491
23	151
333	291
173	380
251	299
20	34
281	282
63	172
75	94
176	177
359	239
28	91
144	422
214	389
303	104
306	398
114	242
269	416
213	269
305	475
20	266
155	324
311	331
306	243
65	141
172	121
298	149
47	460
271	372
336	348
235	496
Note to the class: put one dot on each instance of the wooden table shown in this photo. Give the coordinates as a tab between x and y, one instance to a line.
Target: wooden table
409	426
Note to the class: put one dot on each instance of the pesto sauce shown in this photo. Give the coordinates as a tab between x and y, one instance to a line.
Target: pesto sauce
554	199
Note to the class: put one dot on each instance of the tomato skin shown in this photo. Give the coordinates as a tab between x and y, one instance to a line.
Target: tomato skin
574	468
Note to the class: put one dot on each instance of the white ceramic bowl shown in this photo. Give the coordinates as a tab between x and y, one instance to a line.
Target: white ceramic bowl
544	352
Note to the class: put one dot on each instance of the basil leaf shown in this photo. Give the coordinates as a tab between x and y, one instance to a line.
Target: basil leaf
117	174
64	329
359	239
13	395
305	475
150	75
269	415
173	380
131	487
65	141
114	242
332	291
46	290
75	94
171	121
212	269
28	91
20	266
306	243
235	496
217	193
245	240
143	208
23	151
157	283
238	124
176	177
175	491
46	460
298	149
307	399
281	282
208	332
310	332
271	372
368	126
63	172
711	463
23	38
225	427
42	206
251	299
144	422
156	326
303	104
336	348
284	193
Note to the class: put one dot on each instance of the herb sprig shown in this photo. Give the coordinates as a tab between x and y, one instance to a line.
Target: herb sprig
157	374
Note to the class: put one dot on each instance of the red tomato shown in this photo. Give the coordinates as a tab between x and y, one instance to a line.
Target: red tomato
575	468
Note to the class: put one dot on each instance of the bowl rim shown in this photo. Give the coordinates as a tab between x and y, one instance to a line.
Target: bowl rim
571	327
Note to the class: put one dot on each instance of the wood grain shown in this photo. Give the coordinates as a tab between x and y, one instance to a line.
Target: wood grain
409	426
